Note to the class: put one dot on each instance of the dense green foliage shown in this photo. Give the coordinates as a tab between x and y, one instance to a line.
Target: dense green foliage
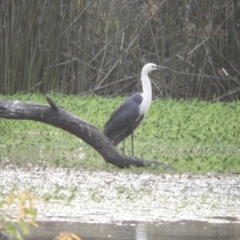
192	136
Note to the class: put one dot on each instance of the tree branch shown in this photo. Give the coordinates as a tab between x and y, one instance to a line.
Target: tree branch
60	118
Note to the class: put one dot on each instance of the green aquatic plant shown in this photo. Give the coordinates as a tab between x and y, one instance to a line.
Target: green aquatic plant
190	135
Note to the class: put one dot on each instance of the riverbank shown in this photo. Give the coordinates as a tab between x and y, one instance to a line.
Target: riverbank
191	136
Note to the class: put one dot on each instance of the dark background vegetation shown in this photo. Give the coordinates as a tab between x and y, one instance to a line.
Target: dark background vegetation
99	46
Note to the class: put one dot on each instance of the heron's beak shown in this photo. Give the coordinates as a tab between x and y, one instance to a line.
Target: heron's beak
161	67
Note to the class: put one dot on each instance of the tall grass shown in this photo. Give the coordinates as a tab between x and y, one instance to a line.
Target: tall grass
84	47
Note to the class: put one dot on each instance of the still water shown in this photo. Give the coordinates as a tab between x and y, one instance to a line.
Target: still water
186	230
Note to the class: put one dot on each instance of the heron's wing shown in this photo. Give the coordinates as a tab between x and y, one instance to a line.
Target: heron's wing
124	119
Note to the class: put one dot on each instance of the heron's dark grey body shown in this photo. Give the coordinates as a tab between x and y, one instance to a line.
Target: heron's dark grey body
126	118
130	117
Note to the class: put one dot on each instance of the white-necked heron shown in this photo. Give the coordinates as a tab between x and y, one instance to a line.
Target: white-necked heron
129	114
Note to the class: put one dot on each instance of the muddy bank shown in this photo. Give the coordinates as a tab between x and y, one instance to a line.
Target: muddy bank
118	196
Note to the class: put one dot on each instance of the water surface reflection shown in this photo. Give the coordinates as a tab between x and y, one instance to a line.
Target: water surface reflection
139	231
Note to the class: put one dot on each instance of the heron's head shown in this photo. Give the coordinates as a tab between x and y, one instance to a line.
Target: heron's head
149	67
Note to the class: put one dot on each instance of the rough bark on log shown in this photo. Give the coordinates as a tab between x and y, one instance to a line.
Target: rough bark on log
60	118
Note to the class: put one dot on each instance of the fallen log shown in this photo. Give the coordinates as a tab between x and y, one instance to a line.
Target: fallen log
56	116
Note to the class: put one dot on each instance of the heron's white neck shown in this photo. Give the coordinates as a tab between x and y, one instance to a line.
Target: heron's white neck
147	93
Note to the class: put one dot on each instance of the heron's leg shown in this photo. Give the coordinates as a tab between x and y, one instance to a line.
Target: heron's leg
132	137
123	144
